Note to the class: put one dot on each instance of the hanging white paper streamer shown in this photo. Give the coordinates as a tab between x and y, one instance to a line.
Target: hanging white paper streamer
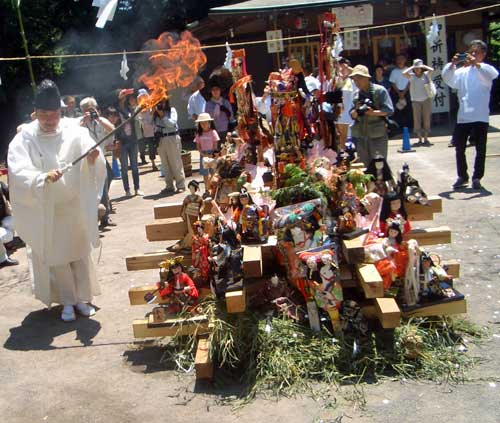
106	12
229	56
124	67
338	47
433	34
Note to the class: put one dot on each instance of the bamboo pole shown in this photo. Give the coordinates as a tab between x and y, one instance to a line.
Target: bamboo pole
17	6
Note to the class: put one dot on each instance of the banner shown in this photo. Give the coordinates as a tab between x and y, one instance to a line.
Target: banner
437	57
354	15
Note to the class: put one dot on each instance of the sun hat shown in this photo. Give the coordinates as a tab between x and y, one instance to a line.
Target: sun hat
142	92
418	63
360	70
203	117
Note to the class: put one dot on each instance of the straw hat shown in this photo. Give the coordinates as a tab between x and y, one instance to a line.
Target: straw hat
418	63
360	70
203	117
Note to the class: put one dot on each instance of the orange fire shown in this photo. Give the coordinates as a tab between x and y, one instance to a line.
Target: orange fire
176	65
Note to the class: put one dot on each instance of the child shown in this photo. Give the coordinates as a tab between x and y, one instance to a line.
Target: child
206	141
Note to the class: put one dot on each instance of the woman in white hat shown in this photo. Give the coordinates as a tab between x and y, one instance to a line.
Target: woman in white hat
421	98
206	141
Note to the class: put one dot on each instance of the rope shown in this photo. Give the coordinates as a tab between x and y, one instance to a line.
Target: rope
245	43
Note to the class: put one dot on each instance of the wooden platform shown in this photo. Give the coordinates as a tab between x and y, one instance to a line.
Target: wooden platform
435	205
203	362
452	307
152	260
142	329
388	312
236	301
252	261
170	210
136	294
370	280
430	236
166	229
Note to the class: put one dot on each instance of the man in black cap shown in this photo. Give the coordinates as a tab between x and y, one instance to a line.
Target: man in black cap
55	204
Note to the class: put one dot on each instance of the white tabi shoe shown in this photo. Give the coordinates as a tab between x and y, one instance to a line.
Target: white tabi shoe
68	314
85	310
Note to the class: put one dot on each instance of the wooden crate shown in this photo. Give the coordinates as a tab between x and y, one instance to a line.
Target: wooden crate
370	280
252	261
430	236
236	301
435	205
203	362
152	260
388	312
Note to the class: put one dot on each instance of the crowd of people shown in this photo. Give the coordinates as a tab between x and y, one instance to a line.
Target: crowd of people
54	210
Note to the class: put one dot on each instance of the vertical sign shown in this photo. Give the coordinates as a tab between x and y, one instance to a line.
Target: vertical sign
274	41
437	57
351	39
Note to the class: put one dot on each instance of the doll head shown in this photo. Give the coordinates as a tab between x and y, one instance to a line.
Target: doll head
425	261
326	259
393	204
199	228
311	263
379	164
193	186
395	231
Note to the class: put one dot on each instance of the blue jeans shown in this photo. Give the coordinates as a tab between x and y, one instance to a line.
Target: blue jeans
129	152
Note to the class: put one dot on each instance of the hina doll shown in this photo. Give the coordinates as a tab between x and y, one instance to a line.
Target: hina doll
392	208
409	188
383	181
251	220
200	252
434	281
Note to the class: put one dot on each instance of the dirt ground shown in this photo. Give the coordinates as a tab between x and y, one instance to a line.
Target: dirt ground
91	370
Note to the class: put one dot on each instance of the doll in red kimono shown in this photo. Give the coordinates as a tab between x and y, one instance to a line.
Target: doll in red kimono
393	208
200	253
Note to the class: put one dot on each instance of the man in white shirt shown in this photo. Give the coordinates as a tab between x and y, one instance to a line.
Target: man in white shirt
400	93
472	78
196	103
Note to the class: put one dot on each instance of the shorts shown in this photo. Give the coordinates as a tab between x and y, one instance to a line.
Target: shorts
205	171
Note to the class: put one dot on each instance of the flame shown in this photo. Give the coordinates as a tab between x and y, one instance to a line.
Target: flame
176	65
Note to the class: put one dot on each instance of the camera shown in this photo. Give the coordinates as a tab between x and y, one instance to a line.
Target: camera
93	115
365	105
461	59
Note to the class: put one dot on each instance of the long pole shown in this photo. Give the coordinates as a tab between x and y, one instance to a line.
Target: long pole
17	5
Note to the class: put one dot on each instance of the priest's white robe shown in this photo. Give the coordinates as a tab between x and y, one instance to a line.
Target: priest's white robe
58	221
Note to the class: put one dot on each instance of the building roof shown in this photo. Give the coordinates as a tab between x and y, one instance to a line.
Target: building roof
250	6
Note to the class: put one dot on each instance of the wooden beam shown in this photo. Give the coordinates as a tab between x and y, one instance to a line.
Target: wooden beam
268	253
166	229
421	216
435	205
152	260
166	211
142	330
388	312
353	249
357	165
452	267
443	309
430	236
236	301
252	261
202	362
370	280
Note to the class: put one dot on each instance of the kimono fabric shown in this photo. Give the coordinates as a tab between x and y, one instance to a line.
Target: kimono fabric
57	220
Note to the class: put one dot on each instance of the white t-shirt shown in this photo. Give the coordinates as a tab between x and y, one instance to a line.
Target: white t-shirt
417	86
398	78
473	87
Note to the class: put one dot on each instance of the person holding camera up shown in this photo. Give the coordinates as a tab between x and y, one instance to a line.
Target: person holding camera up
169	146
98	127
371	107
472	78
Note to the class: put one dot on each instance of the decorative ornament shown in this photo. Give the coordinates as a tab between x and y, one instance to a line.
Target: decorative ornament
124	66
433	34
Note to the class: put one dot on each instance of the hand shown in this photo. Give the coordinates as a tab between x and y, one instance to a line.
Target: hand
354	114
124	93
371	112
187	289
471	60
54	175
454	59
92	156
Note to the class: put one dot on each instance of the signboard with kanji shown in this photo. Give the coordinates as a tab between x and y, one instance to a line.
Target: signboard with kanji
437	57
354	15
274	41
352	39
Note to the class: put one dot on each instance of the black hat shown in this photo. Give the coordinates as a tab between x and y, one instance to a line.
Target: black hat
47	96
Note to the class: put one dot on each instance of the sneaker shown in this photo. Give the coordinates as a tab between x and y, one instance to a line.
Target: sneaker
128	193
139	193
476	184
181	190
451	145
8	262
68	314
427	143
85	310
167	191
460	183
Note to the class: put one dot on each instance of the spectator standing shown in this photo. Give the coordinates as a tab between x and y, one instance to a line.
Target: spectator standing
369	129
400	93
420	77
263	104
206	141
221	112
346	84
55	212
148	130
196	104
6	227
98	127
70	110
169	146
472	78
128	152
380	78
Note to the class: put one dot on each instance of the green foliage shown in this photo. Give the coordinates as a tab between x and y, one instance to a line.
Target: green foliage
494	41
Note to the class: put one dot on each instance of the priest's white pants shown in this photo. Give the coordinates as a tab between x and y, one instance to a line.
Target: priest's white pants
6	235
71	282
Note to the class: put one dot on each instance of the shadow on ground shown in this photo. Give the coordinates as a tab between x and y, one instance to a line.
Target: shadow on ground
39	328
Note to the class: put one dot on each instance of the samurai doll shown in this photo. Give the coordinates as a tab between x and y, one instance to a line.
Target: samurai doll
409	188
251	220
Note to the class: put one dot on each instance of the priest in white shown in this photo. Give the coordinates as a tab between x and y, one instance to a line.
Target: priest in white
55	212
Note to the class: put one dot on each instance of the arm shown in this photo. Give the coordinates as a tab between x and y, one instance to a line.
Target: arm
216	138
407	73
449	76
487	73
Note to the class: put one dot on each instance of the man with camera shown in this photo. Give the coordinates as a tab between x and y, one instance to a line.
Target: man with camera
371	107
472	79
98	127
